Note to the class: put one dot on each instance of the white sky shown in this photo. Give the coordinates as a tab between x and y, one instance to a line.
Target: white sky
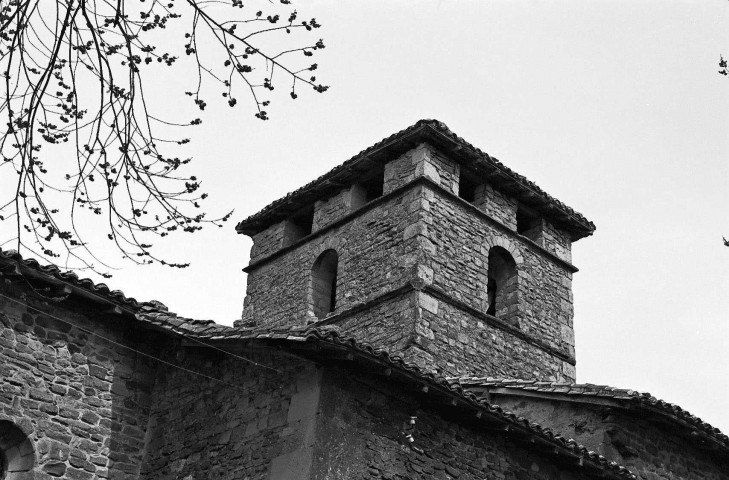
615	108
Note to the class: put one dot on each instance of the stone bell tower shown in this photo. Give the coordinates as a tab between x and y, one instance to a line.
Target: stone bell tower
427	247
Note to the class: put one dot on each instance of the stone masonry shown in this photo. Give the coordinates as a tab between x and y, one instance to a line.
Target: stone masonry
648	447
82	403
413	271
89	393
361	436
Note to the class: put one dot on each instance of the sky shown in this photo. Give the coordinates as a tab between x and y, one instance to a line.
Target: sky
615	108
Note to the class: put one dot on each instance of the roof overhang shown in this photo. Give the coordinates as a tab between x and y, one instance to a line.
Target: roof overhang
440	137
696	430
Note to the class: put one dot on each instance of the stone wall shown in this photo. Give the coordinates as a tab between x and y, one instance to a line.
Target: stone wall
79	405
258	424
362	434
497	205
458	343
458	243
422	161
557	242
333	208
653	450
390	324
76	402
268	241
81	400
376	251
446	339
425	233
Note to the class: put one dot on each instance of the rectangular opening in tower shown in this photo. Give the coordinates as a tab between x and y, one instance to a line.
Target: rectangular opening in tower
298	225
528	223
369	187
467	185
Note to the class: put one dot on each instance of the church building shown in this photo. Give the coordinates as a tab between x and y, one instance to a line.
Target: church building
408	315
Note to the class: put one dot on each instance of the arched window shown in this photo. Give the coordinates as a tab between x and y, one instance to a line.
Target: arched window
16	452
324	284
502	287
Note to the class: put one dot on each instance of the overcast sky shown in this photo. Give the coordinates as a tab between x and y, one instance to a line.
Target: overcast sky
616	108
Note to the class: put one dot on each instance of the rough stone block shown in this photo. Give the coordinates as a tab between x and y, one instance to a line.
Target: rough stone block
428	303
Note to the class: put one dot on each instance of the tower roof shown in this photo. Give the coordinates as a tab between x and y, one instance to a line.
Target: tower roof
440	136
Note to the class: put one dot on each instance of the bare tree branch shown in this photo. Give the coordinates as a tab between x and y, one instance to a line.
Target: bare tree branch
72	85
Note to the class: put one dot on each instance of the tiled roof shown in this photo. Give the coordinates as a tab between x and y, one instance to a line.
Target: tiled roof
328	341
180	325
12	257
586	391
438	134
100	291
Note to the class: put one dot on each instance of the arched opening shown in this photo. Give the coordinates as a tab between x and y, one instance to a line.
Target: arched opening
16	452
501	288
324	284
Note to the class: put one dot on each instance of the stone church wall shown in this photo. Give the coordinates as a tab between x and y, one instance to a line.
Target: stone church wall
82	401
390	325
496	204
460	243
650	450
440	337
461	344
422	162
268	241
557	242
259	424
362	434
331	209
375	256
85	407
427	235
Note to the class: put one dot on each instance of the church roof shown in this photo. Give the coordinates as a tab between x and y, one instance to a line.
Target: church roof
440	136
589	393
11	262
322	345
325	344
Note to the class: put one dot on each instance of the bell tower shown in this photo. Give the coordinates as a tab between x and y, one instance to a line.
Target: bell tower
427	247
